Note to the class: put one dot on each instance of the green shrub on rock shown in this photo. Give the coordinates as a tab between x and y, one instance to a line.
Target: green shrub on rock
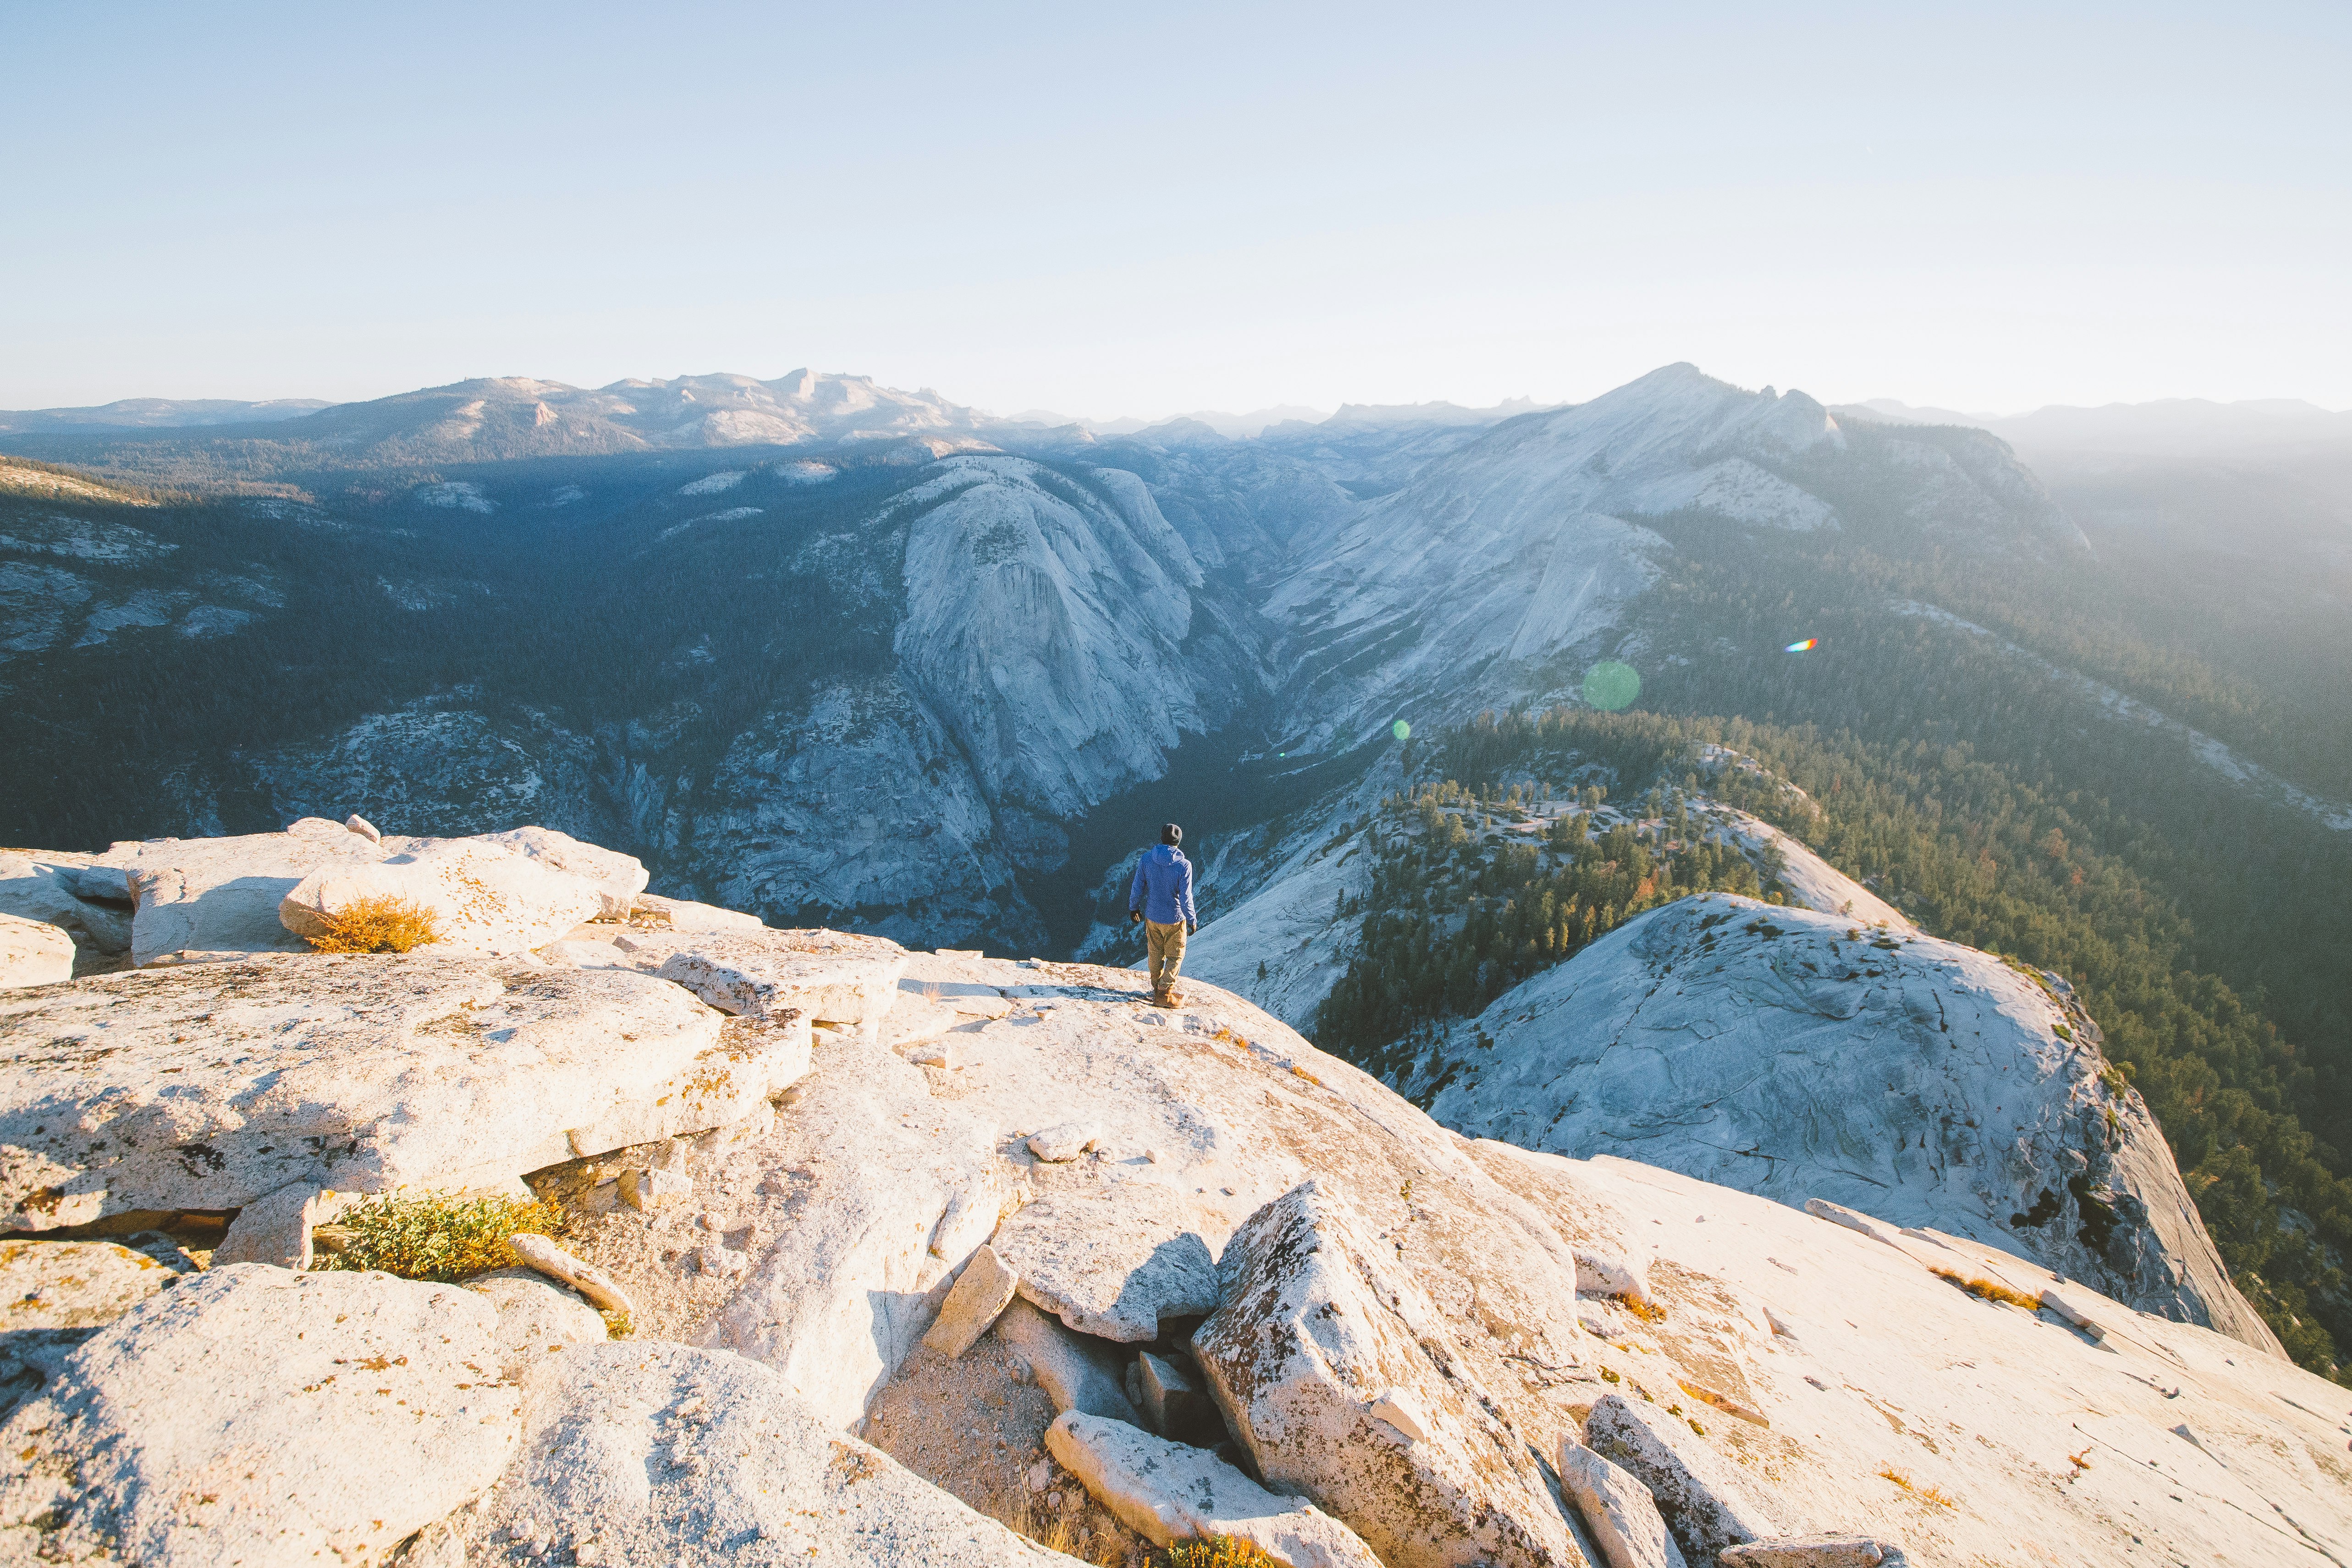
438	1236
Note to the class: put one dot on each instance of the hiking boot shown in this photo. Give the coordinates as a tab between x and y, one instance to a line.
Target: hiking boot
1171	999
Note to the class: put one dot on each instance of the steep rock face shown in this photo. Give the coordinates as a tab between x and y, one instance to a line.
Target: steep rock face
1044	627
1797	1055
1499	569
1494	563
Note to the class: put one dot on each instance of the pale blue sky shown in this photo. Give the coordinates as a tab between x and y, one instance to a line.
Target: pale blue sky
1106	212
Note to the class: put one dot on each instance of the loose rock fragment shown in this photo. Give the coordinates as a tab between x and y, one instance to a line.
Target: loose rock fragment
981	1292
585	1277
683	915
1063	1142
2052	1301
1170	1492
651	1189
537	1317
1174	1402
1707	1502
1618	1509
949	1055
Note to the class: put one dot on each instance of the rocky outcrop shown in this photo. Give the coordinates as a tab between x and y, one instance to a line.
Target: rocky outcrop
1799	1055
483	898
1403	1325
1341	1381
981	1291
254	1415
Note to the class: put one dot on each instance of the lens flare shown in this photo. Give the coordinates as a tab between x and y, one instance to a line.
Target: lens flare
1804	646
1402	730
1610	685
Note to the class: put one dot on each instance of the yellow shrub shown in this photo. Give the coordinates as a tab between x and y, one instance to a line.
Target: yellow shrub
379	924
437	1236
1991	1291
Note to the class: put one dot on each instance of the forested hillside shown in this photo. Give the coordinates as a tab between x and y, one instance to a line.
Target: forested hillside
1970	852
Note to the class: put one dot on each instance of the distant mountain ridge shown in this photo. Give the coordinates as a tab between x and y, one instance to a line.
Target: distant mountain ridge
153	413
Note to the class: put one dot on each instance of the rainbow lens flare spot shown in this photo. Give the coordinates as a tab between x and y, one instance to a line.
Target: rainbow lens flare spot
1803	647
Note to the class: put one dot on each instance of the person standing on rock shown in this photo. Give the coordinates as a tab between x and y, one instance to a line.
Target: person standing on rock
1161	897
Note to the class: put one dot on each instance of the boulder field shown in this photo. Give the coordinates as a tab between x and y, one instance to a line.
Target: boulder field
935	1258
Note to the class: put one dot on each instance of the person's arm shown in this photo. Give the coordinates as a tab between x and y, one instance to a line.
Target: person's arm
1135	893
1184	898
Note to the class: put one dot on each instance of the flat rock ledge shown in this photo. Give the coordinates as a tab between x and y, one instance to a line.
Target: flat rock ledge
209	1086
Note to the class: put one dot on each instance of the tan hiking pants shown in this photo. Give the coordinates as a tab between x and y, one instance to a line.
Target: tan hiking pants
1166	944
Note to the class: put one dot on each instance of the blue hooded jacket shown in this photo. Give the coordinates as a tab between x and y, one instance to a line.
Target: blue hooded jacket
1163	887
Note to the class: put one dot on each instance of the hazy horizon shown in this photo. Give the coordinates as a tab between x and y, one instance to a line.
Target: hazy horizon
1235	410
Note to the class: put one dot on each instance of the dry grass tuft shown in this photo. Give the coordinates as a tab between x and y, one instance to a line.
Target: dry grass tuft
1991	1291
1215	1551
379	925
1648	1311
438	1236
1935	1495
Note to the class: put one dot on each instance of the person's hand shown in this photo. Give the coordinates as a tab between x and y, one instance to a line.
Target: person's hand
1192	928
1135	918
